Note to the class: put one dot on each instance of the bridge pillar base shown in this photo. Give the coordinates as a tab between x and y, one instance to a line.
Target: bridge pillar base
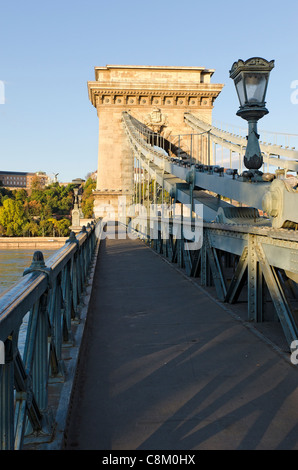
107	203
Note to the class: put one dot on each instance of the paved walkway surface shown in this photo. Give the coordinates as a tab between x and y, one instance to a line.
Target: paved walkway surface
164	367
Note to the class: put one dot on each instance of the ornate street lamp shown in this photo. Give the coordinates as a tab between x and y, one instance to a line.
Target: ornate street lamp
251	81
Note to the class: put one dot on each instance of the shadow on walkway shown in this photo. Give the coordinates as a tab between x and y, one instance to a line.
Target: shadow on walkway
163	366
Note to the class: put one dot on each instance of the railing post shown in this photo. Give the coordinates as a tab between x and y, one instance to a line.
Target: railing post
204	262
31	374
254	285
67	302
55	316
40	362
48	296
74	274
7	399
83	261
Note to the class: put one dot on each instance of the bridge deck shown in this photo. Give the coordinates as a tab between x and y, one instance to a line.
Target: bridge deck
165	367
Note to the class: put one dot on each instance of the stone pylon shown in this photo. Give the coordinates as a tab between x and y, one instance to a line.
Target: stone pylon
155	95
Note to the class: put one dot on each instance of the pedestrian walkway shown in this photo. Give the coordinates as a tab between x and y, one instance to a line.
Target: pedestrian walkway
164	367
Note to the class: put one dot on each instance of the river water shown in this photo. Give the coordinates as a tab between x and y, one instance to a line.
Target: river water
12	265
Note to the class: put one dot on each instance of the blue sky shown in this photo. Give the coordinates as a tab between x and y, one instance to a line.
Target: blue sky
49	50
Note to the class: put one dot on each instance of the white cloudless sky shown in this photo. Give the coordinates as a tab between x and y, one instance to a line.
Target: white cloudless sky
49	50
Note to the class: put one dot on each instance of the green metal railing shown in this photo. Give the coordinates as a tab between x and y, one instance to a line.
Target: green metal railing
238	256
50	296
254	263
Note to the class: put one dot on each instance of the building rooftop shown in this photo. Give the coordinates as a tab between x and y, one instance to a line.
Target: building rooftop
14	172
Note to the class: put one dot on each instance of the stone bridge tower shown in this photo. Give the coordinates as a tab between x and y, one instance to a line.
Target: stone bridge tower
155	95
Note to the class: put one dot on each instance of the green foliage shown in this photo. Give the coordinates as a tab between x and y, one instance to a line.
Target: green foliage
54	200
12	217
41	212
63	227
5	194
20	195
46	228
88	198
30	229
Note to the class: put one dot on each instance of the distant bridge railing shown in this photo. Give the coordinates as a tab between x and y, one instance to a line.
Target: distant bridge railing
49	295
242	254
275	155
240	261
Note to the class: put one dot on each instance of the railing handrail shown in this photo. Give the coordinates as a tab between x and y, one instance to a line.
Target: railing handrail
18	300
28	285
50	293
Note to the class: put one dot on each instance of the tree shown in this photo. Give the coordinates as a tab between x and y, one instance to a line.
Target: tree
33	208
36	183
63	227
21	195
5	194
45	228
30	229
36	213
88	198
54	223
12	217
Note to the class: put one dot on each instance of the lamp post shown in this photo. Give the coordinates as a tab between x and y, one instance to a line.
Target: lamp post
76	213
251	81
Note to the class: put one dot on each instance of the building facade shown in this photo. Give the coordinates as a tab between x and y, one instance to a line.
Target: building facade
22	180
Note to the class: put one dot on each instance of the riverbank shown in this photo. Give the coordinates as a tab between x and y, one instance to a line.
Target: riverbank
52	243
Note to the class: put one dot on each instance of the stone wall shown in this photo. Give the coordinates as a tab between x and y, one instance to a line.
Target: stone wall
53	243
